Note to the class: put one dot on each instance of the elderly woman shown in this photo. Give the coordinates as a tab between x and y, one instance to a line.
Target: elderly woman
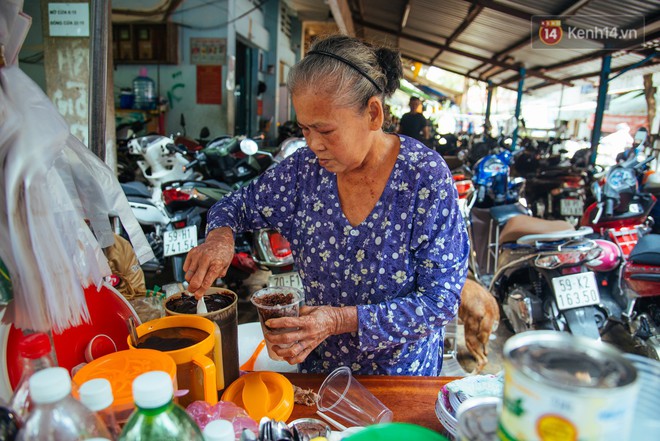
372	219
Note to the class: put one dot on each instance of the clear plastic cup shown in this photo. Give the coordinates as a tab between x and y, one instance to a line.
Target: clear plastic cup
276	302
343	396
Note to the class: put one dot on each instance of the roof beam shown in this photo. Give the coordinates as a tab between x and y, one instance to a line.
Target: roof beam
472	14
404	16
343	17
580	59
499	7
451	70
588	75
426	42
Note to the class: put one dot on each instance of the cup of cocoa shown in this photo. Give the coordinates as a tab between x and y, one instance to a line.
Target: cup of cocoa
276	302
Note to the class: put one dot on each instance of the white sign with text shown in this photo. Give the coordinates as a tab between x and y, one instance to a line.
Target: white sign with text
68	19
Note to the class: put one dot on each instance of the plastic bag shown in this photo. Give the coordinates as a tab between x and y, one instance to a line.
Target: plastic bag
51	182
203	413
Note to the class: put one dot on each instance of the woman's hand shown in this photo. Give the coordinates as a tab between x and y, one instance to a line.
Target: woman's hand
208	261
315	324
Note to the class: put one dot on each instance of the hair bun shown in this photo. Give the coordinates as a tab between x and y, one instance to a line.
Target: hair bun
390	61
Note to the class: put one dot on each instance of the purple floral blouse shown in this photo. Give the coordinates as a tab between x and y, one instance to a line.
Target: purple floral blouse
403	266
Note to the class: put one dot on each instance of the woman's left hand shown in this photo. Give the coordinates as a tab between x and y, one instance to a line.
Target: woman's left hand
315	324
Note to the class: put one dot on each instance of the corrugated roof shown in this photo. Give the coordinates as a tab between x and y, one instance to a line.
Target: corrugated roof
480	30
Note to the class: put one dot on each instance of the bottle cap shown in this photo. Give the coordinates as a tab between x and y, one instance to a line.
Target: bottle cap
153	389
34	346
143	71
49	385
96	394
219	430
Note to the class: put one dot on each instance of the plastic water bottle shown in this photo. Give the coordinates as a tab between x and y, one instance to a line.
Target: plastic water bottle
144	91
219	430
35	350
158	417
97	395
57	416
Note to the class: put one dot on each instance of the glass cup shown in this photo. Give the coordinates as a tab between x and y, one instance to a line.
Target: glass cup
276	302
343	396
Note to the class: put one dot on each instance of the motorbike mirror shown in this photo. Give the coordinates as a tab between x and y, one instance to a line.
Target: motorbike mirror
640	135
249	146
596	191
204	133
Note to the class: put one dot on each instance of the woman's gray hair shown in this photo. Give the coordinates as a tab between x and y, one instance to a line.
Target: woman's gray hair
363	71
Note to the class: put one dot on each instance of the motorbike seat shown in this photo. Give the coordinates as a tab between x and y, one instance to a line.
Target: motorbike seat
136	189
646	251
520	227
502	213
217	184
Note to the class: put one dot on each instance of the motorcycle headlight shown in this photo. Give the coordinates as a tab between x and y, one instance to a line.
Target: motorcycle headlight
493	165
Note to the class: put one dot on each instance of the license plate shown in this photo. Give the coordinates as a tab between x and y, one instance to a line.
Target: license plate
571	207
576	290
179	241
285	279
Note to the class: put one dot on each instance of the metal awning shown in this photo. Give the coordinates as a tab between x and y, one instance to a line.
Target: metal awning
489	40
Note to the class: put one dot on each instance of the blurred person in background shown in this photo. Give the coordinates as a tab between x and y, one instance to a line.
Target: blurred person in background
414	124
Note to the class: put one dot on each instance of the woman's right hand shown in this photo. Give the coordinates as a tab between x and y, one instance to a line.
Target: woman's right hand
208	261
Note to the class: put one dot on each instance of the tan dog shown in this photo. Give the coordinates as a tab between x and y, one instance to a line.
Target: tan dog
480	315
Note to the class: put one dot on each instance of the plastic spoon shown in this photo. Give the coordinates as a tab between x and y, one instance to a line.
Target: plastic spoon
201	306
249	364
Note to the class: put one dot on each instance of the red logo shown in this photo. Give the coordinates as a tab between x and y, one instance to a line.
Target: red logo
550	32
113	280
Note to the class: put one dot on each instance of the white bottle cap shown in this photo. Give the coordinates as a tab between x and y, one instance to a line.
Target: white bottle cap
49	385
219	430
96	394
153	389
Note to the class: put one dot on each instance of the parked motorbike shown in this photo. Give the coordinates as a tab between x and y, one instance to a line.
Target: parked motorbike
493	202
621	218
271	250
543	280
232	160
641	277
189	202
493	183
157	224
160	160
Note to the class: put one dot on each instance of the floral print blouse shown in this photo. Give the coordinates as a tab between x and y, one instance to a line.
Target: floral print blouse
403	267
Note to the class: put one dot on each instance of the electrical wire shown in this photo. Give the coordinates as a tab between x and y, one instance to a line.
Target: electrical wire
221	25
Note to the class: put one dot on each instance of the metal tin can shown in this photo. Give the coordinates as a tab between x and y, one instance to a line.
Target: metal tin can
560	387
477	419
307	429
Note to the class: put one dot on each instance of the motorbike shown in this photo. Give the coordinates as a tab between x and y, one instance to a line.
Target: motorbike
544	281
189	202
271	250
493	201
158	224
641	279
620	218
232	160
